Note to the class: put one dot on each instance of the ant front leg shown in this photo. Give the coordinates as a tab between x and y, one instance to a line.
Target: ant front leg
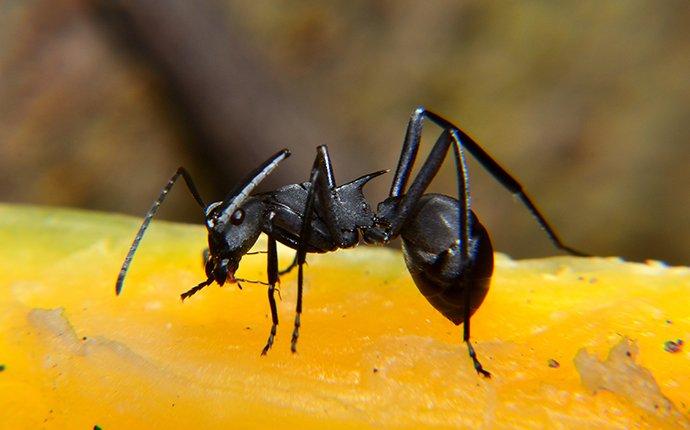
272	270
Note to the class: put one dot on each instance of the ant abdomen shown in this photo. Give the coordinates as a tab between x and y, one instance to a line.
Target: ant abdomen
431	247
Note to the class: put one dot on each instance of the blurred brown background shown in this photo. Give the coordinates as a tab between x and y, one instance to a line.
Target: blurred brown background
587	103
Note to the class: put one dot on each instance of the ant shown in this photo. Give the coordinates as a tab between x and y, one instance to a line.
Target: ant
447	250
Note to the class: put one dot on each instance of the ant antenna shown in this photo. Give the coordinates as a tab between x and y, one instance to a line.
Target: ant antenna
149	217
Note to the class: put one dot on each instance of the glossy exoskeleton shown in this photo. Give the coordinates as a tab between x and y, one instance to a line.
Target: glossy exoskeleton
447	250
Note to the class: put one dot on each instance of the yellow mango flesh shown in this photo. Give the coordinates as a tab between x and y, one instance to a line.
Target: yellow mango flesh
372	352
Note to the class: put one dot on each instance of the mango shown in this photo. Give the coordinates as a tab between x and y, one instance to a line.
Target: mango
372	352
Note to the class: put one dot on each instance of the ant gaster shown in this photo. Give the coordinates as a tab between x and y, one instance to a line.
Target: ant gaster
447	250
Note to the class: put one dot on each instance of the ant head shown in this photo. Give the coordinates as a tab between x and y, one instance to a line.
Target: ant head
230	236
235	223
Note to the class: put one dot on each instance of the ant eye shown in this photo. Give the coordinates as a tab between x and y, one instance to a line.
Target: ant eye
237	217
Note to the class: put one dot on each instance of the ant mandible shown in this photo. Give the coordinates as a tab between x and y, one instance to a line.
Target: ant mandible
447	250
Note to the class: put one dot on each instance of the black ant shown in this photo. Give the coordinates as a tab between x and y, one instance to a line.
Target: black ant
447	250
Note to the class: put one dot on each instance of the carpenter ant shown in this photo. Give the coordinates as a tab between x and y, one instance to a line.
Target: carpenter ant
447	250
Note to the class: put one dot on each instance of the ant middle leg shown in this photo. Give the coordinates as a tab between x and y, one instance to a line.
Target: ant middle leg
322	181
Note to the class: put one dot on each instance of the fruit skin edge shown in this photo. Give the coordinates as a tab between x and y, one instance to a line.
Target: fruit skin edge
372	352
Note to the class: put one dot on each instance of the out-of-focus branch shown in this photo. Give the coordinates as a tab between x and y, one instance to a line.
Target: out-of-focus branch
233	106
